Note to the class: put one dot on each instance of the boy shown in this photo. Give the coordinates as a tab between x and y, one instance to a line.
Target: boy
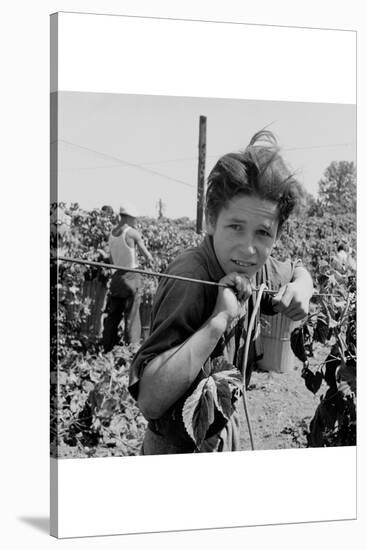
249	197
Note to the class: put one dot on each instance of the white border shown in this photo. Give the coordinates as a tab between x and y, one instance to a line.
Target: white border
102	53
102	496
184	492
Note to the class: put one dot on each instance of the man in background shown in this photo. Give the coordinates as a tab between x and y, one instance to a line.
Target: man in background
125	289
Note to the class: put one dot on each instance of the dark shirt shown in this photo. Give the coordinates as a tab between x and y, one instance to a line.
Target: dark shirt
180	309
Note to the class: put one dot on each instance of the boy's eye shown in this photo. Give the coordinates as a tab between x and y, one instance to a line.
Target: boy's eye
264	232
235	227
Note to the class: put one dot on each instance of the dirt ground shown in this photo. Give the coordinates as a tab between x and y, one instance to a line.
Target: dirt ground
280	408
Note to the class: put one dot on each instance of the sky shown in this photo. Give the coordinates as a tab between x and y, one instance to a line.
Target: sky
115	149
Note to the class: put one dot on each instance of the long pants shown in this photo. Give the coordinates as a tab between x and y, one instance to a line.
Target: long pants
123	303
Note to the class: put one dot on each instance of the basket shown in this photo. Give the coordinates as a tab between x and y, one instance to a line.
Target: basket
94	292
275	338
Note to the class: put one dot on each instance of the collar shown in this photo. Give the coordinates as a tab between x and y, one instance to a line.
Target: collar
214	269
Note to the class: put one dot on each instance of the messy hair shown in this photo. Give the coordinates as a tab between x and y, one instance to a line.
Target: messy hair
258	170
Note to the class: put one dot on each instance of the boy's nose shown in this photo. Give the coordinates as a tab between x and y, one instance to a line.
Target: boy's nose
248	248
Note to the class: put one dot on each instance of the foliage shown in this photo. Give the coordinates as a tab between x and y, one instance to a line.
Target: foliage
215	395
337	188
92	412
324	223
165	239
332	323
315	238
84	235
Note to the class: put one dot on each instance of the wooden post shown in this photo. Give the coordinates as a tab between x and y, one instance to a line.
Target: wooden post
201	173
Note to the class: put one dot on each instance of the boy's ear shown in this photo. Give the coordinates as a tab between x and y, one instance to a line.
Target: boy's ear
210	227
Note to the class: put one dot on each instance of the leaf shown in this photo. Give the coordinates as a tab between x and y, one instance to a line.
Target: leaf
232	376
332	323
312	381
346	376
332	280
322	279
211	397
108	408
87	386
224	397
298	344
219	364
75	403
199	410
62	378
95	399
321	331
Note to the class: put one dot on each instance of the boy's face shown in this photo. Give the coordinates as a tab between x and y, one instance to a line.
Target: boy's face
244	234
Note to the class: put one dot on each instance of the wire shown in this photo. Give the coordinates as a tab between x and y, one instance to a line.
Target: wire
140	271
126	163
166	161
164	275
147	272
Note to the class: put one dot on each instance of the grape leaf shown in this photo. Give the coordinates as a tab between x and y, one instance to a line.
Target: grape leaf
346	376
321	331
224	397
322	279
210	395
298	344
199	410
108	407
312	381
332	323
219	364
62	378
232	376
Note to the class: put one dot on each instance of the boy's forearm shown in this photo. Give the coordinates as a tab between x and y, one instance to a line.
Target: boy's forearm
167	377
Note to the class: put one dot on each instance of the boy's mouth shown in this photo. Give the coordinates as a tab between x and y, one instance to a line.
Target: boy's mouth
243	264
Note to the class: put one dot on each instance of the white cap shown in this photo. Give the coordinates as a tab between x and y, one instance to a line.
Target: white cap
128	210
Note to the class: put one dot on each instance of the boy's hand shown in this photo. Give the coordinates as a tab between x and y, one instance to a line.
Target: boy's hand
292	301
229	299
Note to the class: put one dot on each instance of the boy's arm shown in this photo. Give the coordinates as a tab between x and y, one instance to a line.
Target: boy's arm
169	375
293	299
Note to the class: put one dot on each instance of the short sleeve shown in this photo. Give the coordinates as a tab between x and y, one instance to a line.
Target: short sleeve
276	274
180	309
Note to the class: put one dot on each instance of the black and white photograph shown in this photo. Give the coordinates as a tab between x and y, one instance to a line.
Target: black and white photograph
182	274
203	261
203	274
